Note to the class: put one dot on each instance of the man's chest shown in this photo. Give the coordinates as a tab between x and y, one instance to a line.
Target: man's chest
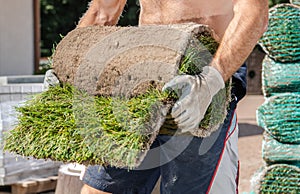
185	9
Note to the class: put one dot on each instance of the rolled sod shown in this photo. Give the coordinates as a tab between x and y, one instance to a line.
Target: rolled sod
280	77
282	39
277	179
109	108
279	115
275	152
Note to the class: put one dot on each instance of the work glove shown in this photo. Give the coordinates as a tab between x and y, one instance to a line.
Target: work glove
195	94
50	79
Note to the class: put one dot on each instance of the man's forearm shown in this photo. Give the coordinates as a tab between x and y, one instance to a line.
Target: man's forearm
102	12
247	26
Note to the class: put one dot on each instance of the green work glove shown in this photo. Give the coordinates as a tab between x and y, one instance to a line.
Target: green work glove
195	95
50	79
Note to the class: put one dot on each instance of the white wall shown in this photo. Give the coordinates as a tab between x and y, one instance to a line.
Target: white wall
16	37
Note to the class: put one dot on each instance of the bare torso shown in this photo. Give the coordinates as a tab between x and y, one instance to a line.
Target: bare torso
215	13
238	24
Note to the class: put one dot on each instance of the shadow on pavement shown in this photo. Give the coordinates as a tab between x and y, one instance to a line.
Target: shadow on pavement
249	130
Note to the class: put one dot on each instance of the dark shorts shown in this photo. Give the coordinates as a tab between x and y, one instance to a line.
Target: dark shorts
186	164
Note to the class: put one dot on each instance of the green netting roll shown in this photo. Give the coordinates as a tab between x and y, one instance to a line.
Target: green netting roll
276	152
295	2
279	115
280	77
282	39
277	179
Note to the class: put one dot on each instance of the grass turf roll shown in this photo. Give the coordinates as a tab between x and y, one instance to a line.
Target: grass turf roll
69	125
277	179
56	125
280	77
280	116
282	39
276	152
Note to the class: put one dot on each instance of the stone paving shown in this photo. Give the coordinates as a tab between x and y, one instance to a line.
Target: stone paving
250	140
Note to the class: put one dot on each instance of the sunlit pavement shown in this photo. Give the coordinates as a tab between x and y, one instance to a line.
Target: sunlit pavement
250	141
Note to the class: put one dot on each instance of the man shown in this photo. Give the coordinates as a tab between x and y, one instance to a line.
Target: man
238	25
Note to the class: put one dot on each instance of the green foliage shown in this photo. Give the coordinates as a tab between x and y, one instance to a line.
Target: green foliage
275	2
130	15
58	17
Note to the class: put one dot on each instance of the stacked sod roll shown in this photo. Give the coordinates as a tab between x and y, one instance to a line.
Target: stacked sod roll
277	152
278	179
281	41
109	106
279	115
279	77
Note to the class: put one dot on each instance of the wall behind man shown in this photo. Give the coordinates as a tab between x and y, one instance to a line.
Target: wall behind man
16	37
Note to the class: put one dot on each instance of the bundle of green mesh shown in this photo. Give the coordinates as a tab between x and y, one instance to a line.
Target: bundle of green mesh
275	152
279	115
280	77
278	179
282	39
68	125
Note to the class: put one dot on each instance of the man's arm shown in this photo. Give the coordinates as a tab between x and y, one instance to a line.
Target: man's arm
247	26
102	12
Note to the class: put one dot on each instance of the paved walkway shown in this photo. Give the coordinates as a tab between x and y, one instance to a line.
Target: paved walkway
250	140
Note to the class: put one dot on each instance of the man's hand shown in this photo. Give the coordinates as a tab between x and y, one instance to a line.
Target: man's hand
195	95
50	79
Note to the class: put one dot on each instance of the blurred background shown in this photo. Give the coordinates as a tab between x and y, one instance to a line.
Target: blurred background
30	30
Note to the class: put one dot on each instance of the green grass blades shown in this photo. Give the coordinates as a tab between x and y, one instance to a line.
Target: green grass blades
280	178
199	54
67	125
